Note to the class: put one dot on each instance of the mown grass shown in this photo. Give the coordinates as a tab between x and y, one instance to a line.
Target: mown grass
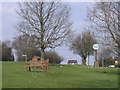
58	76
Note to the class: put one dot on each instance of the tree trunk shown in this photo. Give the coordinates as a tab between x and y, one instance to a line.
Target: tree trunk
84	61
88	59
42	53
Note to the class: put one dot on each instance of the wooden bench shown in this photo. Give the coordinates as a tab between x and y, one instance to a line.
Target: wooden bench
72	61
43	64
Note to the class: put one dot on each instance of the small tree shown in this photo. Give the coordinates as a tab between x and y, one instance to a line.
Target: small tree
105	57
82	45
6	52
24	46
48	22
53	57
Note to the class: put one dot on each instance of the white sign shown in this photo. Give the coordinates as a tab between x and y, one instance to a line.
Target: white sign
24	55
95	46
116	62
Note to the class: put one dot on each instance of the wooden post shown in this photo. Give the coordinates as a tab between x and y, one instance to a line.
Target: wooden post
96	55
96	63
30	69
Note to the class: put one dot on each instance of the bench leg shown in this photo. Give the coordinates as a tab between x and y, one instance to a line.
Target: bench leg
24	68
30	69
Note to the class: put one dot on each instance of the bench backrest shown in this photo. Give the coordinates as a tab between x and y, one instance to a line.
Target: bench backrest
72	61
39	63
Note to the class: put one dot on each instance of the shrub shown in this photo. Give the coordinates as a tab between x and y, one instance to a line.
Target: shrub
53	57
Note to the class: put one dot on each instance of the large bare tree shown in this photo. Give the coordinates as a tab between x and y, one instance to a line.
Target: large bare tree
105	17
48	22
82	45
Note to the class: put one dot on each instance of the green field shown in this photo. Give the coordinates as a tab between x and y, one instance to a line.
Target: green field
67	76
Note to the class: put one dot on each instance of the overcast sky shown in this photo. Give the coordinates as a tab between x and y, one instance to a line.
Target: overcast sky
78	11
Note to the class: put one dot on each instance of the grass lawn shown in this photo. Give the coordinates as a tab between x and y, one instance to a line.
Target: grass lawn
68	76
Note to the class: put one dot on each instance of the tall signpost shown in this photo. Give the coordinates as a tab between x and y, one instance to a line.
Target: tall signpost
96	47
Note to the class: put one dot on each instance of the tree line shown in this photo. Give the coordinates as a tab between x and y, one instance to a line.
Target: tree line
7	53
